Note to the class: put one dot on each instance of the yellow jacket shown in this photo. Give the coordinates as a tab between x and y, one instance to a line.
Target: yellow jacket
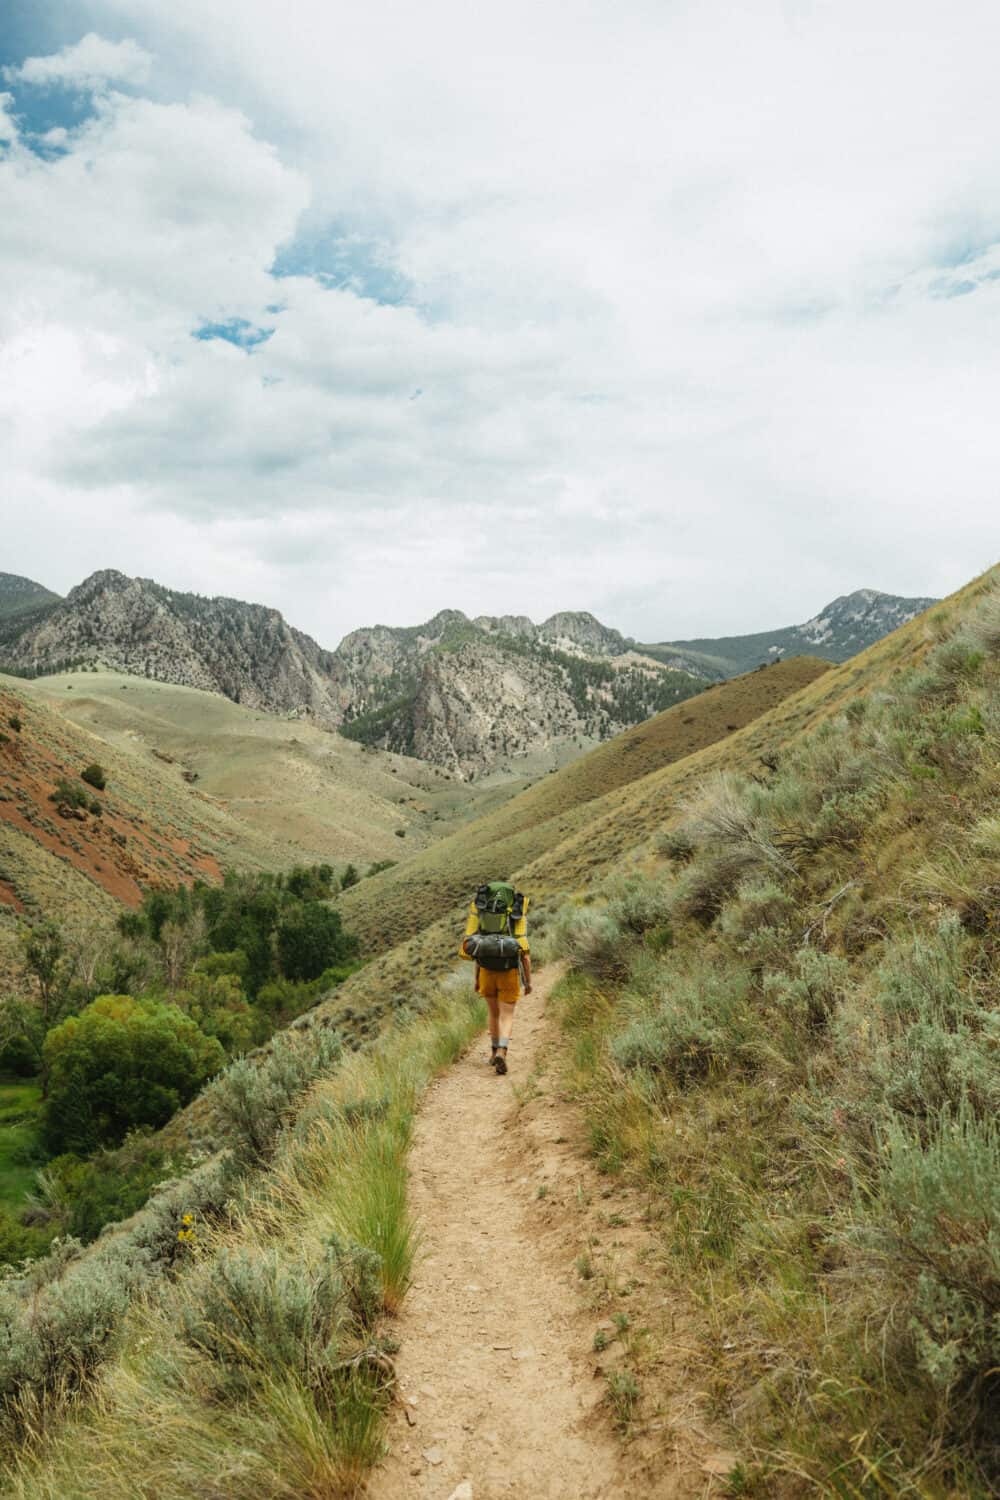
519	929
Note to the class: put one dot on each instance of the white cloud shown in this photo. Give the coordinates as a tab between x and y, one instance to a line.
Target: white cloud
702	323
91	63
8	126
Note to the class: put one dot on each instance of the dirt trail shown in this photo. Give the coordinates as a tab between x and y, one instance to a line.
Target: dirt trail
501	1392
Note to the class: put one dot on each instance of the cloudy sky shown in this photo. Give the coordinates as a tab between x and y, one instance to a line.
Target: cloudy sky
681	311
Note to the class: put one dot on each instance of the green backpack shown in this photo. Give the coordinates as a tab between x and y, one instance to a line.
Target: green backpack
498	907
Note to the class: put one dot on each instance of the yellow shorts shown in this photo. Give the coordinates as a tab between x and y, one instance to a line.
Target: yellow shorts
505	987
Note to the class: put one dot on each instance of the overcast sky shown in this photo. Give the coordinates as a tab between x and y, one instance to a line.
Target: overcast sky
684	313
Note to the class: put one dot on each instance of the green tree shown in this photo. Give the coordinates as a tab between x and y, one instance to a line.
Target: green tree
217	1004
311	938
94	775
121	1063
350	877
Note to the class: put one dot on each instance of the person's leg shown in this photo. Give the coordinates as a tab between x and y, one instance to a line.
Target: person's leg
493	1006
506	1019
487	984
508	991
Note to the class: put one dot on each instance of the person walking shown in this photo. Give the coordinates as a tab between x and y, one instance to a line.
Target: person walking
496	940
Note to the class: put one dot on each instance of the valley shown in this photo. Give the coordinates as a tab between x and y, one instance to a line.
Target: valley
758	916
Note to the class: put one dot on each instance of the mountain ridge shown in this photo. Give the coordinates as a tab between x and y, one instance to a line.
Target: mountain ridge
469	695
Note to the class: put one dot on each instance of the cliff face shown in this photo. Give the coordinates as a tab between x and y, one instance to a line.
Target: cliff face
481	707
244	651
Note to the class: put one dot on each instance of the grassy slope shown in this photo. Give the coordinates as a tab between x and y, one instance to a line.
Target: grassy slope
565	836
565	832
402	901
19	596
19	1108
321	795
806	1085
155	828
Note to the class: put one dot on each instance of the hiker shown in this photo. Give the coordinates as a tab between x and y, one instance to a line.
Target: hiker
496	939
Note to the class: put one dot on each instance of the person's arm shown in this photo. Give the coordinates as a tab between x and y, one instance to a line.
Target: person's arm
526	966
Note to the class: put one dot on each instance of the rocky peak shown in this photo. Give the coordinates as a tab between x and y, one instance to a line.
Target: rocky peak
579	630
863	616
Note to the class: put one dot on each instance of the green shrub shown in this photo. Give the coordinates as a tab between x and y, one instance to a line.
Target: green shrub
592	941
56	1338
734	818
946	670
14	721
360	1271
983	627
809	996
86	1195
203	1193
934	1224
759	903
924	977
707	884
700	1023
68	794
638	905
252	1097
94	775
121	1063
677	845
20	1241
261	1312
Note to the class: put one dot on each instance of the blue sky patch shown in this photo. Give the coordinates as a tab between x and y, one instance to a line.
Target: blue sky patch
238	331
338	258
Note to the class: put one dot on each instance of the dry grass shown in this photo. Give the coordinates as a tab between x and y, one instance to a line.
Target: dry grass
159	1425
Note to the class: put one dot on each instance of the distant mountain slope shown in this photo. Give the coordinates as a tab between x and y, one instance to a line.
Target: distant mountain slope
579	824
245	651
78	861
401	901
20	595
497	694
469	696
479	698
849	625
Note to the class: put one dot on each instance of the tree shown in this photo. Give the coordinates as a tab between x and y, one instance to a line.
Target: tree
94	775
121	1063
44	951
311	938
350	877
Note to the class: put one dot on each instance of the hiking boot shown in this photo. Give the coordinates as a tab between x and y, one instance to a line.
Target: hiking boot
500	1062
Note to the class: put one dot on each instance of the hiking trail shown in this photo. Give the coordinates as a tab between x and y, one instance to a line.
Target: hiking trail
500	1391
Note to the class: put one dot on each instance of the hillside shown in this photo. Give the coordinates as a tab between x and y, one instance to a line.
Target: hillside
152	827
842	629
322	797
494	696
555	842
401	901
19	595
778	1027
